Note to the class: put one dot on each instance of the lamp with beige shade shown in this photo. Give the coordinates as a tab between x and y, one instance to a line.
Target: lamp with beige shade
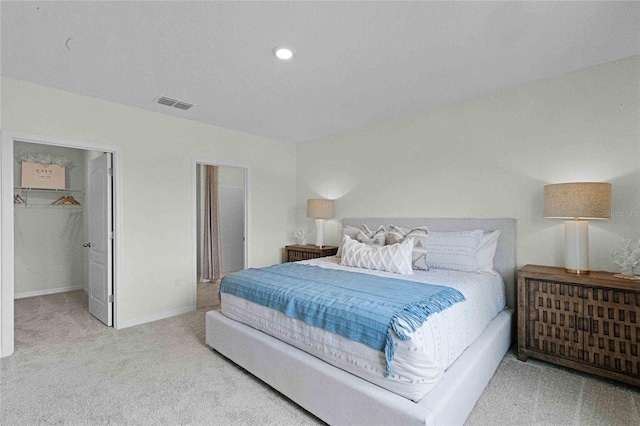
320	209
579	201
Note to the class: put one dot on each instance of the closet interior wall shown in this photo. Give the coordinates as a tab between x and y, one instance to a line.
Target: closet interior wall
48	238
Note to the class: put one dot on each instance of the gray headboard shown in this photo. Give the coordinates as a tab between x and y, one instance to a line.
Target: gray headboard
505	259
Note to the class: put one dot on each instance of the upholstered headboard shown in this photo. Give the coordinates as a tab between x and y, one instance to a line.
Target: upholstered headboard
505	259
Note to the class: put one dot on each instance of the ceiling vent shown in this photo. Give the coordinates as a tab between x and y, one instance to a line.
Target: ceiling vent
163	100
182	105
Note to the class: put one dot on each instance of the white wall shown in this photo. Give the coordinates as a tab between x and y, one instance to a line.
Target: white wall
231	217
232	227
231	176
157	168
491	157
48	239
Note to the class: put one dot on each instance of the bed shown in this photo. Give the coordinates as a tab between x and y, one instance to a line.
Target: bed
340	397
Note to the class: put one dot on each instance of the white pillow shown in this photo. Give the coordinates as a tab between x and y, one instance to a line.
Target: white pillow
487	250
456	251
420	236
394	258
352	232
372	238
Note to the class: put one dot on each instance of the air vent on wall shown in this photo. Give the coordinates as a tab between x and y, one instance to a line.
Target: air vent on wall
163	100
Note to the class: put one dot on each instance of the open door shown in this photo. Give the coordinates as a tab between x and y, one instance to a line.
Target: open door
100	204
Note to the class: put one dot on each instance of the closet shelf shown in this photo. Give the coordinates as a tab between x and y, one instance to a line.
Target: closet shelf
79	191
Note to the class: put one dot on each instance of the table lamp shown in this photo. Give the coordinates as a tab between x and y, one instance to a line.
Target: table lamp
579	201
320	209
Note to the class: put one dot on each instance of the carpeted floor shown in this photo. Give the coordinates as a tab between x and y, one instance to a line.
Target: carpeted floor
537	393
69	368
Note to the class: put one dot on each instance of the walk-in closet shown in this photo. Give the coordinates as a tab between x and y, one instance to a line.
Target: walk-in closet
51	260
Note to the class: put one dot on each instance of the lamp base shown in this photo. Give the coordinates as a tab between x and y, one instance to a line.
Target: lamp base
576	247
320	232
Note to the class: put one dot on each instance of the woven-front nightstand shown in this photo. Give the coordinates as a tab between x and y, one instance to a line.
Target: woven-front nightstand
297	252
586	322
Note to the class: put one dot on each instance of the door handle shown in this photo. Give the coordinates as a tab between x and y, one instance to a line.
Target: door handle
86	245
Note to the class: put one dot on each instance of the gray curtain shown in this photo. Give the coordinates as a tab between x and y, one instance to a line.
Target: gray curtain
212	259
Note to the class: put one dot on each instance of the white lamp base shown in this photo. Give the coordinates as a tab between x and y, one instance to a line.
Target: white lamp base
319	232
576	247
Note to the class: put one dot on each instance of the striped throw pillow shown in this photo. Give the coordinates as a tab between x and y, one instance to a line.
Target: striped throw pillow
456	251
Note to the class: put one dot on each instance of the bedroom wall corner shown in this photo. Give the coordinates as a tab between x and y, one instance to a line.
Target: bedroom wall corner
491	157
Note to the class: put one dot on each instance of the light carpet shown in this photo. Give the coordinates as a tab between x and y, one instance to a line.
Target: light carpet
70	369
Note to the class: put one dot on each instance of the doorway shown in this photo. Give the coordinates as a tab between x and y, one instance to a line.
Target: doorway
221	194
43	230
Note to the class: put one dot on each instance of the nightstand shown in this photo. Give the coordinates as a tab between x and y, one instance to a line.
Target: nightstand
297	252
589	322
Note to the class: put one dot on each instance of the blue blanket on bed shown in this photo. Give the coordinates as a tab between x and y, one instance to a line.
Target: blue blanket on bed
362	307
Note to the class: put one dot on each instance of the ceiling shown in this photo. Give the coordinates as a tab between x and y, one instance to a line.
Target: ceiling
354	63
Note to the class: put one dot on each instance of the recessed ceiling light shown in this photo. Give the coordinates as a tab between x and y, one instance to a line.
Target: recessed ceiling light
283	53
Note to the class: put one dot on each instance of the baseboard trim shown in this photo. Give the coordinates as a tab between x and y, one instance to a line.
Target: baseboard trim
154	317
46	292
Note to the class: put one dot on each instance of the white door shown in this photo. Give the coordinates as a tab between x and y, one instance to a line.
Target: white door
100	239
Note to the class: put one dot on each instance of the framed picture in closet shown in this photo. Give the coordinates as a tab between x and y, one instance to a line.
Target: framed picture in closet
43	176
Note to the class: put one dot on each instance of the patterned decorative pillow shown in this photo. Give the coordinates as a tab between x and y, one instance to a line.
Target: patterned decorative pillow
456	251
371	238
352	232
394	258
419	235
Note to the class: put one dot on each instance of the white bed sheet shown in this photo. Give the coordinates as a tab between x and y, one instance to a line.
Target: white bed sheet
420	362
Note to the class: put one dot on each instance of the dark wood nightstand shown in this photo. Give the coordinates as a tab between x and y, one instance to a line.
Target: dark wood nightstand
297	252
587	322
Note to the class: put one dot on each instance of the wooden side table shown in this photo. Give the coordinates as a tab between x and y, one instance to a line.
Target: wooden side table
589	323
294	253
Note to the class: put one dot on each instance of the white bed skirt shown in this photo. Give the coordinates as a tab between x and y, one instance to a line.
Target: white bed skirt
340	398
